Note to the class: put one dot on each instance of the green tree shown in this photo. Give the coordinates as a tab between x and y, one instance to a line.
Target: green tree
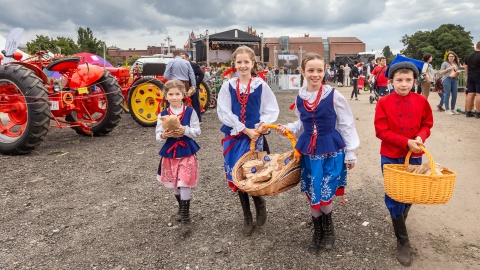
113	60
447	37
132	59
388	54
88	43
40	43
67	45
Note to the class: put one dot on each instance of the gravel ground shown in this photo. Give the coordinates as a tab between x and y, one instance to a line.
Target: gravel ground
93	203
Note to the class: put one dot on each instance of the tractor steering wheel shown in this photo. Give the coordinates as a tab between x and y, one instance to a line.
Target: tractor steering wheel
44	54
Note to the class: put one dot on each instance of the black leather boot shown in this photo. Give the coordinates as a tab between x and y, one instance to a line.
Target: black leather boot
404	255
405	212
247	229
177	216
327	224
318	235
185	225
261	210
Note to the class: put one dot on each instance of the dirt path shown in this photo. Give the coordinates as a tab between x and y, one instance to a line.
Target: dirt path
93	203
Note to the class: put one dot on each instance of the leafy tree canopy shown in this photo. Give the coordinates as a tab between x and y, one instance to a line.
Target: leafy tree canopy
447	37
86	42
388	54
132	59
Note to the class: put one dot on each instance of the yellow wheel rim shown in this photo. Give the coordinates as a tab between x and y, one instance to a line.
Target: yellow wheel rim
203	96
145	100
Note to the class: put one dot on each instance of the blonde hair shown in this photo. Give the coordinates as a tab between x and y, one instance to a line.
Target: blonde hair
244	49
174	84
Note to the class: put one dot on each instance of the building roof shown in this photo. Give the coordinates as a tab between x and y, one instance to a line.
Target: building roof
276	40
305	40
344	40
231	35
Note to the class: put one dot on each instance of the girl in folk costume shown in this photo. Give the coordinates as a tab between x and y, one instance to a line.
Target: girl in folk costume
245	104
178	168
327	139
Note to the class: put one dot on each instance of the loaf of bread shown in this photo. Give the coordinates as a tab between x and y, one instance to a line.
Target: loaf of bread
424	169
170	122
264	167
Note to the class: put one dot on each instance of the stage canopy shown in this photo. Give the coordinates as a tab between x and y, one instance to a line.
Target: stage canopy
222	45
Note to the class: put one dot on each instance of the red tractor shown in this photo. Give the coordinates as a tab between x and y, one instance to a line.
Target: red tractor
143	95
85	97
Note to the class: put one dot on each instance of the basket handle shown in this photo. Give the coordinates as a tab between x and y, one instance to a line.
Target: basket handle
289	135
429	156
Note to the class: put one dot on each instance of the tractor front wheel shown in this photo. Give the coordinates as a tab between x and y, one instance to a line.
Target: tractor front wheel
24	110
144	99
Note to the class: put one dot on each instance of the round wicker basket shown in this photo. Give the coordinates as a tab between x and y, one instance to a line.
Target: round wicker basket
287	178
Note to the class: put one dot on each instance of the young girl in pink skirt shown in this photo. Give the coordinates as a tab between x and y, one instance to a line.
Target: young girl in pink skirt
178	168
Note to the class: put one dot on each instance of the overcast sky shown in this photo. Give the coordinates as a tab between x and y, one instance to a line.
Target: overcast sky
141	23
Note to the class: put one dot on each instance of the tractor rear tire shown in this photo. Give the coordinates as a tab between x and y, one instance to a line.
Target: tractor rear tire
112	115
31	109
144	98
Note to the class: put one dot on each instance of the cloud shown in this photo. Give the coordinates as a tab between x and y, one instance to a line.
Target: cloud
138	24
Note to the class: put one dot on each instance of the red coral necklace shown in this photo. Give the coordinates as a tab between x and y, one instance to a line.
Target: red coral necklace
312	106
181	115
243	98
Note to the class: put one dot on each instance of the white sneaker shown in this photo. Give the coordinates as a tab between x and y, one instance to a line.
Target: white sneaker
449	112
455	112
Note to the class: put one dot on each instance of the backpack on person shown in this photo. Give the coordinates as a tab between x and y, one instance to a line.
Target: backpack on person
426	74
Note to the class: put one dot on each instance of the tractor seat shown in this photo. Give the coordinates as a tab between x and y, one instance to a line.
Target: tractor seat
152	69
63	64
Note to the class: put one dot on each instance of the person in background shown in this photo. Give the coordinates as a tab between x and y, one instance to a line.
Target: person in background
347	75
199	75
370	67
472	69
341	74
207	73
355	75
450	73
378	75
427	76
180	69
399	135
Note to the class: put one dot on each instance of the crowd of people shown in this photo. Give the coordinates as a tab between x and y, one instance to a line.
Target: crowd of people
324	127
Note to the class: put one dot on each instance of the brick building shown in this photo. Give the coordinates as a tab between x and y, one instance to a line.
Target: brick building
298	46
124	55
345	45
277	50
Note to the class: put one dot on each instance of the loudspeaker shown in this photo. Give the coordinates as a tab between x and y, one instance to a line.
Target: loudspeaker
266	56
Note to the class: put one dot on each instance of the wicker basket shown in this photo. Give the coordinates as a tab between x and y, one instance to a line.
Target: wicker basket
414	188
288	178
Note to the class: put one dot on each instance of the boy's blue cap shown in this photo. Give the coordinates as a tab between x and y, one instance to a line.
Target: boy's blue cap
402	65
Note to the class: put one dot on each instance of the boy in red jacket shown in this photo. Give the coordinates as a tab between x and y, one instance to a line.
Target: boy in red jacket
403	121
